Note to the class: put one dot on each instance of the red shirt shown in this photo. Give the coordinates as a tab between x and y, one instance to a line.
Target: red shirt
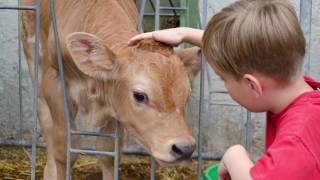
293	141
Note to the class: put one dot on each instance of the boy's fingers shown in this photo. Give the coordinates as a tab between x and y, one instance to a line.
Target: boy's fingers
134	40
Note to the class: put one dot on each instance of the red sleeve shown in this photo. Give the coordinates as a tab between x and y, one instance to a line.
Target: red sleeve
286	158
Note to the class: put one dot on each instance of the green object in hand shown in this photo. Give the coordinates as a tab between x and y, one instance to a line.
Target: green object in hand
211	173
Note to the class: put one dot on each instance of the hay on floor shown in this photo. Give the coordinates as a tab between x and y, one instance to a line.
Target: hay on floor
15	164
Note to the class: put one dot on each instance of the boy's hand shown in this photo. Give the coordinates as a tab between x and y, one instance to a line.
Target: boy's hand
235	164
171	37
223	172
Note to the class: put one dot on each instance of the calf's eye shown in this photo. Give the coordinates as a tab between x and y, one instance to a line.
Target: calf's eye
140	97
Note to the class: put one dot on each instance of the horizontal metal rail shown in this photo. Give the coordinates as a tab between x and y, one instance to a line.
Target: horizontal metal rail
92	152
161	14
18	8
204	156
173	8
126	151
224	104
92	133
219	92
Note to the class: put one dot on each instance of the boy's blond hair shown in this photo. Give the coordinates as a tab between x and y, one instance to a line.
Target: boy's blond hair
262	36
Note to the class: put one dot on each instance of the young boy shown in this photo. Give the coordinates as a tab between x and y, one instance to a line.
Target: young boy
257	48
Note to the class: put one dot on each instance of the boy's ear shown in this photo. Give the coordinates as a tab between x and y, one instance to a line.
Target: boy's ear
191	60
90	55
254	84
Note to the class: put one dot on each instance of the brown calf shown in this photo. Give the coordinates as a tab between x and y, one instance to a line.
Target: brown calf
144	87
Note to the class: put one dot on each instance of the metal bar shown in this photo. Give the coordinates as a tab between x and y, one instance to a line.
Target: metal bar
22	144
174	10
153	169
18	8
127	151
36	92
156	27
201	108
199	16
224	104
306	23
157	16
187	13
63	87
91	152
116	152
92	133
141	14
200	119
219	92
20	77
161	14
248	131
152	5
205	156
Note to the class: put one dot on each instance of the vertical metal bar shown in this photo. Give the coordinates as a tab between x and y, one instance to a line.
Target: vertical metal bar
141	14
305	22
171	4
63	87
20	77
199	145
248	131
36	92
201	103
117	152
156	27
187	12
157	16
152	5
153	169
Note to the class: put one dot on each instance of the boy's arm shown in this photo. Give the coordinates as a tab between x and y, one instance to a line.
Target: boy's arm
174	36
235	164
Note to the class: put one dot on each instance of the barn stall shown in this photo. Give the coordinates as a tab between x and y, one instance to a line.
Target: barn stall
219	115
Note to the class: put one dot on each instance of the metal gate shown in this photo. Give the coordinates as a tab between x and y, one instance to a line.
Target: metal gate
305	20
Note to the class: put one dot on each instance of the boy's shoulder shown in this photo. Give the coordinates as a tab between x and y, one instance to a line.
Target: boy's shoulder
303	114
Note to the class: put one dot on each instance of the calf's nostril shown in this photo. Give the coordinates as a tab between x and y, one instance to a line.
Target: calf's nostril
183	151
176	150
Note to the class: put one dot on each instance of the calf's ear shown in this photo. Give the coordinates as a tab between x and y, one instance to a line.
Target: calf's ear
90	55
191	60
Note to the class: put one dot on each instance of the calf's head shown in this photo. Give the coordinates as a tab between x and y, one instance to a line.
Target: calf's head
150	88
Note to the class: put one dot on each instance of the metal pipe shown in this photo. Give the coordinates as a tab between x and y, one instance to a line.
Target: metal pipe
156	27
248	130
306	24
219	92
92	152
20	77
152	5
224	104
92	133
205	156
174	10
127	151
157	16
153	168
18	8
201	103
63	87
36	91
161	14
116	152
141	14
